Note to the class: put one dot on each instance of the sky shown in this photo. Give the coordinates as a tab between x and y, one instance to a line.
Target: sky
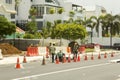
112	6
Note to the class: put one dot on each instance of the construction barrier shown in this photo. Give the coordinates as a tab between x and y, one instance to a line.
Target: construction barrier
43	51
97	48
1	57
32	51
81	49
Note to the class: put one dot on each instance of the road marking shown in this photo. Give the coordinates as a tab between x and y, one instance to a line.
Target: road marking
44	74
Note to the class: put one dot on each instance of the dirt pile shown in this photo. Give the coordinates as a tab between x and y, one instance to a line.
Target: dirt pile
8	49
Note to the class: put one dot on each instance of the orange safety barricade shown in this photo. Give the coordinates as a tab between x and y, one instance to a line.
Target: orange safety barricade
32	51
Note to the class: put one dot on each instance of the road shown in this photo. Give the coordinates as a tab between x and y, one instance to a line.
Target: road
97	69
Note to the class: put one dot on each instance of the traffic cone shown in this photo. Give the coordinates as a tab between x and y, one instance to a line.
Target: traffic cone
24	59
18	66
112	54
78	58
105	55
86	58
69	59
75	59
47	55
92	57
99	57
57	60
43	61
64	59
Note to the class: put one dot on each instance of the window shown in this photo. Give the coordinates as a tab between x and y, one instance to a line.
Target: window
9	1
40	10
12	16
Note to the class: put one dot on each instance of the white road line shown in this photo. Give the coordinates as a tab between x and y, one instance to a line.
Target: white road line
44	74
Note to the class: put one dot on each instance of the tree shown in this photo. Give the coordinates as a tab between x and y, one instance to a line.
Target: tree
32	25
111	24
6	27
91	24
70	31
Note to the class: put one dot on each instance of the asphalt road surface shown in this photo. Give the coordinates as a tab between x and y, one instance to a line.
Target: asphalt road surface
97	69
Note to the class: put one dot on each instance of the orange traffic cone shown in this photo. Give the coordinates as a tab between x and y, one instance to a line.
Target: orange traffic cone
18	66
105	55
78	58
69	59
43	61
75	59
99	57
57	60
92	57
112	54
86	58
24	59
47	55
64	59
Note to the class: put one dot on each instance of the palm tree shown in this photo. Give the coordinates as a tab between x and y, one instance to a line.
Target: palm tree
111	24
91	24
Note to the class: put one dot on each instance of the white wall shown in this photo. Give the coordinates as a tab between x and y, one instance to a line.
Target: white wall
38	1
23	11
6	9
104	40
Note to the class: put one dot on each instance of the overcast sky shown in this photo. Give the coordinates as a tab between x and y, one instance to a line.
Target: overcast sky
110	5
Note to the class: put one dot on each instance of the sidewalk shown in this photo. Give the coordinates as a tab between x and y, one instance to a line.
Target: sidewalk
13	59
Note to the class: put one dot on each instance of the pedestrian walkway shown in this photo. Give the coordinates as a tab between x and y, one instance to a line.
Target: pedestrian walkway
11	59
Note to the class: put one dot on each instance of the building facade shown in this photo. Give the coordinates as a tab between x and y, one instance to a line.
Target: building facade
21	16
7	9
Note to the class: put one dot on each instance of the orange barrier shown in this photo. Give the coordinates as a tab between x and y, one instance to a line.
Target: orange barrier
32	51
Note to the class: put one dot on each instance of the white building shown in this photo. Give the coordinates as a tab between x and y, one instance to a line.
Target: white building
95	11
7	9
43	7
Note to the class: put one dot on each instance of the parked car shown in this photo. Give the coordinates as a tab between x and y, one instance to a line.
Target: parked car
90	45
116	46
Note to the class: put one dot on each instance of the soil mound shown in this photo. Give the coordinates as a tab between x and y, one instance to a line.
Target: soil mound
8	49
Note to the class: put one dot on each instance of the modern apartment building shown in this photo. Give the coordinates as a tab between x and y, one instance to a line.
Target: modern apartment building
7	9
21	16
43	7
